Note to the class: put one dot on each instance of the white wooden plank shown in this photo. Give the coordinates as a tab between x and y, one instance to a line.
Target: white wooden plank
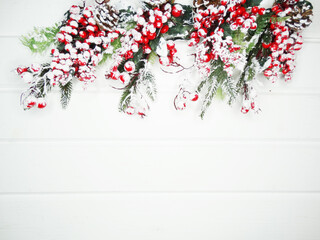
304	80
94	115
161	216
20	17
158	166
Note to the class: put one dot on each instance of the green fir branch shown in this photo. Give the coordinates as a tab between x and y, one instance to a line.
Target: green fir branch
66	91
252	3
126	18
183	25
212	90
124	100
149	81
230	90
105	58
41	38
214	81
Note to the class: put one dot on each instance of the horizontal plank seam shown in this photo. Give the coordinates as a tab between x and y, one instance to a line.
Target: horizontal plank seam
165	141
157	193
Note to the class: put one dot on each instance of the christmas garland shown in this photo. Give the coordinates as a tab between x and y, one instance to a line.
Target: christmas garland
233	42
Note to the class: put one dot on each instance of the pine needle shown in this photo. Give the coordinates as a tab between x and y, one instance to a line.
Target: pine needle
66	91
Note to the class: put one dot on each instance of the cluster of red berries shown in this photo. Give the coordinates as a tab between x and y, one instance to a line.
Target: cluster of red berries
83	44
28	74
150	24
283	48
169	53
32	101
183	97
217	47
31	75
240	18
248	101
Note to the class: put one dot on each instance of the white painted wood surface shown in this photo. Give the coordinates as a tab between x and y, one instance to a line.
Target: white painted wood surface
89	172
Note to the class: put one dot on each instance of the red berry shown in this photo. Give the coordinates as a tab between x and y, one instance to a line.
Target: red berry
83	34
176	10
232	9
42	105
239	21
124	78
195	98
285	71
129	66
261	11
147	49
194	35
113	76
129	54
207	24
164	29
170	45
87	13
152	36
253	26
158	24
202	32
273	46
245	15
275	8
268	73
130	110
265	45
145	40
239	11
83	22
173	51
31	104
207	57
223	2
21	70
255	10
244	110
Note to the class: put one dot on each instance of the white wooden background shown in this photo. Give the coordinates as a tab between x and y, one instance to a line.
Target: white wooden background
89	172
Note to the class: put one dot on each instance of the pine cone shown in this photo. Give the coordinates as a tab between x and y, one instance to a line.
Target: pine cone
157	2
203	4
106	16
300	16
